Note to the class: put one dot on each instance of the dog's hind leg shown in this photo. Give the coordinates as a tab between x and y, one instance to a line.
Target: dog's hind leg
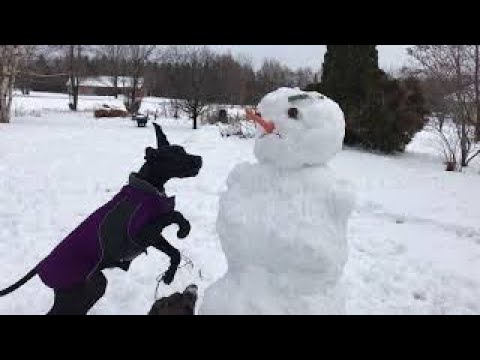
80	299
95	290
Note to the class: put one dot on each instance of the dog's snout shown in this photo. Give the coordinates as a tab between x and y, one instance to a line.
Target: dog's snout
191	289
197	161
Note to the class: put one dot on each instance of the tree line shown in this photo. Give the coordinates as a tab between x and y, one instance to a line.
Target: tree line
194	73
383	112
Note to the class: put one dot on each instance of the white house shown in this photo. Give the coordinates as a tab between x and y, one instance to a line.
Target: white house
104	86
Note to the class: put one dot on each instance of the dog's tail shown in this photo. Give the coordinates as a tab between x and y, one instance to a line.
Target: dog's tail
19	283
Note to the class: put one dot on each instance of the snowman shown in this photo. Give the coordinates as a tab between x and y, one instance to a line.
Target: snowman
282	221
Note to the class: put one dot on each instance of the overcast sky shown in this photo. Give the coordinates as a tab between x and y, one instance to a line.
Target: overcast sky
391	57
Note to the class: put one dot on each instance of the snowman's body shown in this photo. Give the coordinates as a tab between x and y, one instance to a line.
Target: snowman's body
282	222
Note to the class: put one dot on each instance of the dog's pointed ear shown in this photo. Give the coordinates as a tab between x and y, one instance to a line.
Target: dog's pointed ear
161	138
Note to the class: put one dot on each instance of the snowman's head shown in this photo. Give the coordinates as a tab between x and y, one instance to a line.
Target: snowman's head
301	128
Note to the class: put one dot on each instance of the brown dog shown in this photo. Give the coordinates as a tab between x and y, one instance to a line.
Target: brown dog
177	304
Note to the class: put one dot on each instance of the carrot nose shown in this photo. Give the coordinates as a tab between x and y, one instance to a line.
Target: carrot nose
268	126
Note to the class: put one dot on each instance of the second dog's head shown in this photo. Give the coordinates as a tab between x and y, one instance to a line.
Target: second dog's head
177	304
168	161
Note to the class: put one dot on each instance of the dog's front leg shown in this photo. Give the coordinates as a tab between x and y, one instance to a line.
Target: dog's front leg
176	217
164	246
150	235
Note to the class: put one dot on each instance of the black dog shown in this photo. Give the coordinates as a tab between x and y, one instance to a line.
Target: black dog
118	232
177	304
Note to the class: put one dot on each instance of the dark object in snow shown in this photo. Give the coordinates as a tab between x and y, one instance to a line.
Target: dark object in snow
419	296
118	232
141	119
223	116
109	112
450	166
177	304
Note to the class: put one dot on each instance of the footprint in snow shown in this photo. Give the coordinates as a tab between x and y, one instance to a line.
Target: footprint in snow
418	295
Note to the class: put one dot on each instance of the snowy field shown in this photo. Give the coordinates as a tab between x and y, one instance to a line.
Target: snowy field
39	103
414	235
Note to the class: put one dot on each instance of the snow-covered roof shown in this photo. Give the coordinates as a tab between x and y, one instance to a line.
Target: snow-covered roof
107	81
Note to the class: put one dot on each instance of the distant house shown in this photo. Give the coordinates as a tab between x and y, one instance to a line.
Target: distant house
104	86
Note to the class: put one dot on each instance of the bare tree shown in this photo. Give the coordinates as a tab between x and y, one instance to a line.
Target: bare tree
198	63
434	91
10	59
175	106
137	57
73	55
42	68
116	55
303	77
190	73
247	85
454	72
226	80
23	78
273	75
476	83
446	142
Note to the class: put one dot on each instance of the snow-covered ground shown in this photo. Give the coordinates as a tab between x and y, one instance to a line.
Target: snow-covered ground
38	103
414	235
162	106
152	104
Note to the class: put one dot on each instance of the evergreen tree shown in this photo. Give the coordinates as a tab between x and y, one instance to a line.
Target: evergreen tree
395	113
349	77
380	113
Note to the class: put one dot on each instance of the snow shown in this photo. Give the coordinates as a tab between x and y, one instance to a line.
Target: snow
107	81
55	177
152	105
162	106
414	231
38	103
286	229
414	234
312	139
241	128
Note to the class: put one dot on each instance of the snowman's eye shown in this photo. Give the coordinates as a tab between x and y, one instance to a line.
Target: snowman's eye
293	113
